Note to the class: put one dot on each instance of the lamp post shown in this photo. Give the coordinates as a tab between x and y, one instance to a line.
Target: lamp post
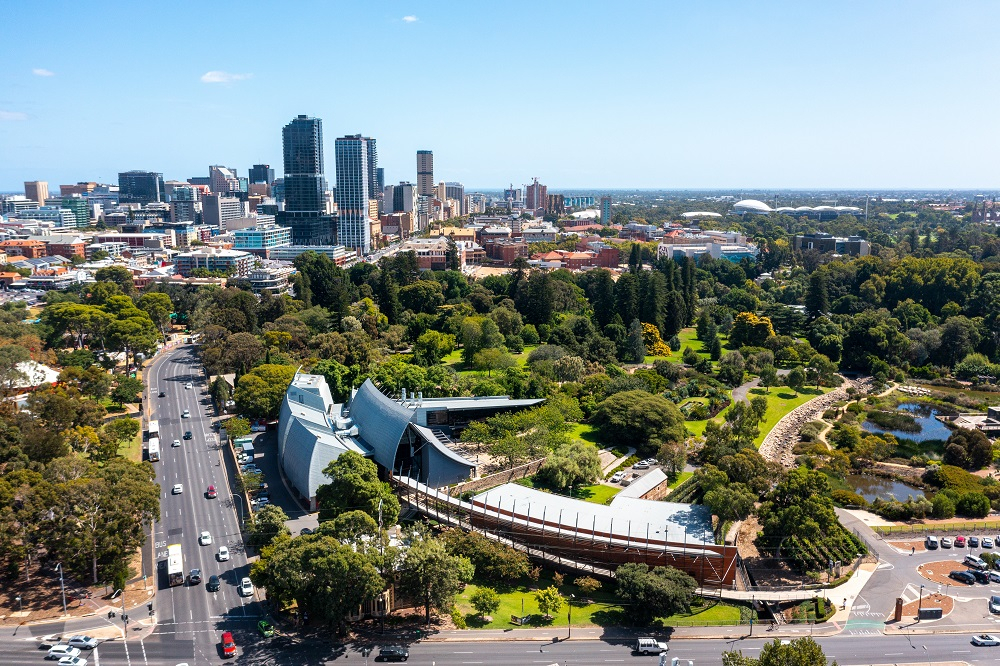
240	506
569	616
920	604
20	606
62	584
124	616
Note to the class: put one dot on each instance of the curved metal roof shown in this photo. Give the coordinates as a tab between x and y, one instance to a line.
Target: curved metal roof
381	422
752	204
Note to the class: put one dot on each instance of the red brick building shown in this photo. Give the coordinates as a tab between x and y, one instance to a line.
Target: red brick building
27	248
505	250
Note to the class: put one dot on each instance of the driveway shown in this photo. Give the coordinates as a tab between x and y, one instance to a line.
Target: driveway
265	446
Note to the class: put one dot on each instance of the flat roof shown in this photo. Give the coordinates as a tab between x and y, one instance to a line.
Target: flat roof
482	402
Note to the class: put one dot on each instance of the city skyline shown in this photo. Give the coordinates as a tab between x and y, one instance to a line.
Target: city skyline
724	96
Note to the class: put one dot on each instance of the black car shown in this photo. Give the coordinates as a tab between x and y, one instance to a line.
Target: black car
981	576
305	530
195	576
187	434
162	394
392	653
963	577
973	542
213	584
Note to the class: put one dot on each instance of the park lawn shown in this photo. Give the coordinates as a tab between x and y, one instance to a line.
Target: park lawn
597	493
681	478
605	611
698	427
780	401
584	431
132	450
454	360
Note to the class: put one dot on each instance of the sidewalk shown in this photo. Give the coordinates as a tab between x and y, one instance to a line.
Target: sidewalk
617	461
559	634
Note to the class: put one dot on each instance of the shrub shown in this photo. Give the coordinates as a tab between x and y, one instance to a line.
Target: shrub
587	584
848	498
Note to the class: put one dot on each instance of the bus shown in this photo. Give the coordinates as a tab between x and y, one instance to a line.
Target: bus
152	429
154	449
175	565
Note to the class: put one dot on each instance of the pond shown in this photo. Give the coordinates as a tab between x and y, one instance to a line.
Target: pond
872	487
930	427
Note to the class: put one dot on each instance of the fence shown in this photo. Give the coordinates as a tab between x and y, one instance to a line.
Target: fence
991	526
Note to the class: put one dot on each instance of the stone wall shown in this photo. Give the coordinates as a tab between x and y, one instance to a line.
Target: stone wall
497	479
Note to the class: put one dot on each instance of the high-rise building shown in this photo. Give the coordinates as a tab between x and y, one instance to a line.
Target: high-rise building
261	173
605	210
75	203
401	198
303	185
425	173
216	210
456	191
140	187
223	180
354	190
79	188
535	195
36	190
379	179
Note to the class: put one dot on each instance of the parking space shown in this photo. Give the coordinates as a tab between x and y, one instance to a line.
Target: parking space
266	458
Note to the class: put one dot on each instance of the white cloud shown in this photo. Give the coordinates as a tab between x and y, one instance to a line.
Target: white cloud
39	71
410	19
216	76
12	115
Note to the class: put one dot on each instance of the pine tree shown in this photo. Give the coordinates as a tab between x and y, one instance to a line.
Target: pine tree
817	300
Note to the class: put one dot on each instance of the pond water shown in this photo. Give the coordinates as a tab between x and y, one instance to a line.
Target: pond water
930	427
872	487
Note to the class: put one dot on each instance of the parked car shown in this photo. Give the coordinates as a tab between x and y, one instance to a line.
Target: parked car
650	646
973	542
392	653
975	562
981	576
205	539
246	587
82	642
963	577
987	542
960	542
994	604
985	639
305	530
211	493
213	584
994	576
62	650
931	543
642	464
946	542
263	500
223	554
617	477
177	489
194	578
72	661
228	644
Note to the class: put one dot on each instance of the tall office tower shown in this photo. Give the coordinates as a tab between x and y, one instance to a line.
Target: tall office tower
223	180
404	198
456	191
140	187
379	179
386	202
261	173
76	203
605	210
36	190
535	195
216	210
303	185
425	173
79	188
439	191
354	190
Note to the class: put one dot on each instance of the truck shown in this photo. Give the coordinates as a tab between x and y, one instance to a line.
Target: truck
154	449
175	565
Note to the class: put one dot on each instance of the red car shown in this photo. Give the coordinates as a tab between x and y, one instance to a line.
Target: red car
211	494
228	644
960	542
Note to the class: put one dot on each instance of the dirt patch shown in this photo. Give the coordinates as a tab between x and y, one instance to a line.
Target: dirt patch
746	537
936	600
917	544
938	572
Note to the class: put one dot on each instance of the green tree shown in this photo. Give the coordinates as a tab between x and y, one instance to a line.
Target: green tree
673	456
122	430
732	368
119	275
587	584
220	392
651	593
796	380
353	526
159	307
731	502
485	600
549	600
126	390
797	652
715	348
430	574
635	343
639	418
817	300
266	525
493	359
259	392
572	463
237	427
432	346
354	484
512	448
768	377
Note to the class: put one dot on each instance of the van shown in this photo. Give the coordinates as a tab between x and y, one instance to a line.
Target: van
975	562
650	646
931	543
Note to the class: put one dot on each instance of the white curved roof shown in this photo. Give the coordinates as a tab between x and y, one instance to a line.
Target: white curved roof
700	213
752	205
805	209
847	209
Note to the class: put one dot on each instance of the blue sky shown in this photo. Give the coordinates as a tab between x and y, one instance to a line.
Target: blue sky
580	94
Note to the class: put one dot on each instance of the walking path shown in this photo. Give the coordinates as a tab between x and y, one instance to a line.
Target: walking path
618	461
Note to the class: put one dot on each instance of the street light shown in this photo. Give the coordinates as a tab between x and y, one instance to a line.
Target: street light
124	616
20	607
62	584
569	617
240	505
920	604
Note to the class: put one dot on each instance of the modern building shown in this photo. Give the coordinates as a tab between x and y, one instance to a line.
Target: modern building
81	188
409	434
142	187
401	198
137	239
379	179
31	249
15	204
260	239
270	279
62	218
76	203
536	195
261	173
456	192
36	190
303	185
425	173
855	246
232	262
338	254
355	176
555	204
217	209
223	180
606	210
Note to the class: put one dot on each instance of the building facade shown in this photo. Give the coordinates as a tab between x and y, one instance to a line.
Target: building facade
236	263
354	191
217	209
36	190
261	173
605	210
855	246
304	184
536	195
257	239
425	173
141	187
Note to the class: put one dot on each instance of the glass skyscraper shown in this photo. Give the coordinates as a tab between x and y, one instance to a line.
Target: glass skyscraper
355	182
141	187
305	206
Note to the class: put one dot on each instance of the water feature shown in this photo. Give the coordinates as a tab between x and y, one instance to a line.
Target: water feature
930	427
871	487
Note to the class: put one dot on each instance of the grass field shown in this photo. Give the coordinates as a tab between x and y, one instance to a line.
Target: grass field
780	401
681	478
604	612
597	493
584	431
454	359
133	449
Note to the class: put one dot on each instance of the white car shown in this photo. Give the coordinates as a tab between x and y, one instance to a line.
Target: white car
186	414
617	477
72	661
205	539
176	443
987	542
223	554
188	385
62	650
985	639
642	464
177	489
82	642
246	587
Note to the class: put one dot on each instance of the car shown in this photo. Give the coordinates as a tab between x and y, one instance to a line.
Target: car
985	639
213	584
931	543
62	650
946	542
617	477
392	653
263	501
265	628
195	576
162	394
650	461
994	604
250	469
72	661
177	489
205	539
963	577
246	587
188	385
987	542
186	414
82	642
305	530
642	464
223	555
211	493
187	434
960	542
228	644
175	443
981	576
994	576
973	542
650	646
